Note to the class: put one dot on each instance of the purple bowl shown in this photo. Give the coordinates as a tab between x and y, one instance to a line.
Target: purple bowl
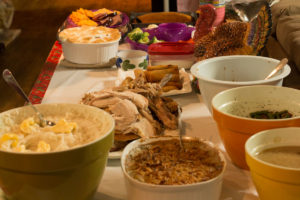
173	32
162	34
136	45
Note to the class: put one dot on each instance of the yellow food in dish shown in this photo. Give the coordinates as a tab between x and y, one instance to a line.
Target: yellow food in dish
9	139
63	126
43	147
29	136
27	125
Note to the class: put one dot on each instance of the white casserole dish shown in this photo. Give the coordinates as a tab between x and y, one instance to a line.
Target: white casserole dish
90	45
136	190
93	53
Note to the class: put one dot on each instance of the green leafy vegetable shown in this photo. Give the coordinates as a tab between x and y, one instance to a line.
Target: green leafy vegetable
139	36
155	40
144	40
136	34
265	114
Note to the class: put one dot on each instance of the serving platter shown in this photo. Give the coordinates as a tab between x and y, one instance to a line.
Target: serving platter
184	76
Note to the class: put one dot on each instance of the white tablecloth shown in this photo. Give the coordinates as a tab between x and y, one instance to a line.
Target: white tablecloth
69	85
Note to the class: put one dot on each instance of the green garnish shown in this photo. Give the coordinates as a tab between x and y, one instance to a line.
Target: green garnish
265	114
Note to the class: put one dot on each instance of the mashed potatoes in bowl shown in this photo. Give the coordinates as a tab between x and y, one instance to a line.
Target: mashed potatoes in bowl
65	161
23	133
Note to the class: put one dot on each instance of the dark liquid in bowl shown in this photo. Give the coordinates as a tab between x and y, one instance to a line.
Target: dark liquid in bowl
285	156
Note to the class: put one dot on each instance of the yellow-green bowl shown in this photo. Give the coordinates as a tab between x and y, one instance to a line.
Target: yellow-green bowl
72	174
273	182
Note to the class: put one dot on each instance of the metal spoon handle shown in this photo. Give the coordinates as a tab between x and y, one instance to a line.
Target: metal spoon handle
11	81
181	128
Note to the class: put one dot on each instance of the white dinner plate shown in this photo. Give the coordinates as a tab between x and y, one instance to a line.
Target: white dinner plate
115	155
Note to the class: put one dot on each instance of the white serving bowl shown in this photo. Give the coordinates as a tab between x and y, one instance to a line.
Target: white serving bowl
136	190
91	53
221	73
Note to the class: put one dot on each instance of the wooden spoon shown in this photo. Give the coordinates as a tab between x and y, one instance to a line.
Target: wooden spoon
280	65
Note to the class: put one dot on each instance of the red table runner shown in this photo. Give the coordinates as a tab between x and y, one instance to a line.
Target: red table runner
39	89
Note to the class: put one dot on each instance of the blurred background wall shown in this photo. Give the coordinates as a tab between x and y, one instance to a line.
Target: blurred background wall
69	5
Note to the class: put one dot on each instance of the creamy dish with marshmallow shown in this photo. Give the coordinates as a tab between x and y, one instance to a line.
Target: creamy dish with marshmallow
29	136
89	34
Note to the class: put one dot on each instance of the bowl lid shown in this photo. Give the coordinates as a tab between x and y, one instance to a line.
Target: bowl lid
171	48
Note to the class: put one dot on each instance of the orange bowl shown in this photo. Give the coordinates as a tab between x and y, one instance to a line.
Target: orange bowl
231	109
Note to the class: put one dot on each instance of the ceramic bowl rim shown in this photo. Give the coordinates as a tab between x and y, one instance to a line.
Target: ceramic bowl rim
247	150
286	70
72	148
130	51
185	186
248	118
91	44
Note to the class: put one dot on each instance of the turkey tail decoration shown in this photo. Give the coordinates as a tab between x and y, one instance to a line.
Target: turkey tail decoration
231	37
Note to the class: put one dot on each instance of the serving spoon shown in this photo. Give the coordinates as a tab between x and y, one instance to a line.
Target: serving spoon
165	80
180	127
11	81
278	67
162	83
